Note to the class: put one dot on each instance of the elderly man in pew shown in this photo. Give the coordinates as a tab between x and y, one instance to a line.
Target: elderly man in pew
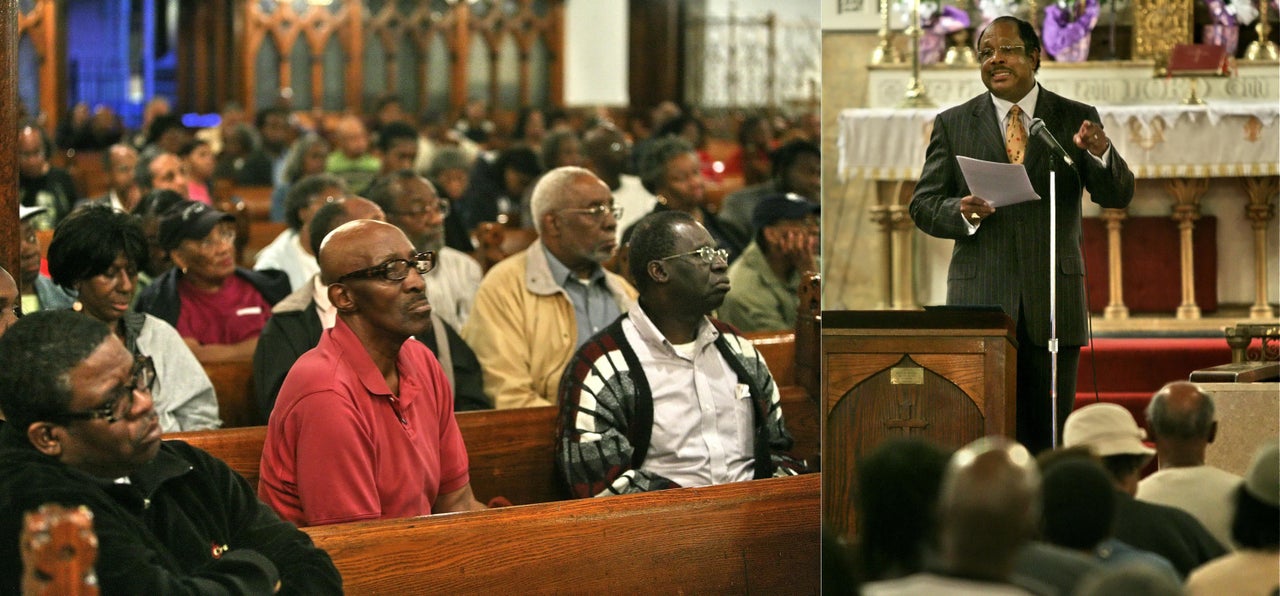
536	307
297	322
1181	419
665	396
169	518
123	194
364	425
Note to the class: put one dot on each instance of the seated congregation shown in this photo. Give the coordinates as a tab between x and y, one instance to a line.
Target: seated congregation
991	518
356	337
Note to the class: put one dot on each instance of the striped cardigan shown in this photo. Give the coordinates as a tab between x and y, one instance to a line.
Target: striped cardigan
606	415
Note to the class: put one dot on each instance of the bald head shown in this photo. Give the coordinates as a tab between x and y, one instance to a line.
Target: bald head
1180	418
989	507
355	245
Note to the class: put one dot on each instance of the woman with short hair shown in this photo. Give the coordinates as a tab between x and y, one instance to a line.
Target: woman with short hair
96	252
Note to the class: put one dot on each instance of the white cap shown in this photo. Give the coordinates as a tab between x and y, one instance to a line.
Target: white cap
25	211
1106	429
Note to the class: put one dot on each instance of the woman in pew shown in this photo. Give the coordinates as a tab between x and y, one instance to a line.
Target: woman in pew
96	253
218	308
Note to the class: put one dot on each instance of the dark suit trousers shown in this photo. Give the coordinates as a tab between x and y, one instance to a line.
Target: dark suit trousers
1035	369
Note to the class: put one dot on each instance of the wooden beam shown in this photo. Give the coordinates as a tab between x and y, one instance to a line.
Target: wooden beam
9	246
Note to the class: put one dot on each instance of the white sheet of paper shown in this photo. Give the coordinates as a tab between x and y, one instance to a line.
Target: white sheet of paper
1001	184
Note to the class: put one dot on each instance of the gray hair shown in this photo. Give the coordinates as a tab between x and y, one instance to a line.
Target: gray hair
552	191
293	159
653	164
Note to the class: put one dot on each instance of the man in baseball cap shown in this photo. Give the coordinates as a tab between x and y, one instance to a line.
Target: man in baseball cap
38	291
766	279
1110	432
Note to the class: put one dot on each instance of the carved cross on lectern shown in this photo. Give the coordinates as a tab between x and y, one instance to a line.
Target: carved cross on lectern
906	423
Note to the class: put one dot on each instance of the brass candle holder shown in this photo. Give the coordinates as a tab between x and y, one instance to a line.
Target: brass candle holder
1262	48
915	96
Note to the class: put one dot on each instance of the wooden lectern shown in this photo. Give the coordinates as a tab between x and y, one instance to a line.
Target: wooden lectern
945	375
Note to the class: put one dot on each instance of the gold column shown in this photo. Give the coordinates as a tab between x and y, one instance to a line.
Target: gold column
1186	210
1260	212
885	52
1115	281
884	227
904	298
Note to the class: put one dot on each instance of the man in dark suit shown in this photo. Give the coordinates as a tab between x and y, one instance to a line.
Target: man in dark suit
1001	256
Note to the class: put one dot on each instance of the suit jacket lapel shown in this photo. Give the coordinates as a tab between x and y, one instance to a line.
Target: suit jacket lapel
988	134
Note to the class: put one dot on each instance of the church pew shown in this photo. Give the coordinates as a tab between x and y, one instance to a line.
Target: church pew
233	384
512	452
779	351
747	537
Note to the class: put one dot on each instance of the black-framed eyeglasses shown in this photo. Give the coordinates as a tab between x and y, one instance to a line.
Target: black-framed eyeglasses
441	206
706	253
118	406
395	269
988	53
598	211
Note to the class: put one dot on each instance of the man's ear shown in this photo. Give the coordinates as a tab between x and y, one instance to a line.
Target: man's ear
341	299
46	437
657	271
1213	431
550	226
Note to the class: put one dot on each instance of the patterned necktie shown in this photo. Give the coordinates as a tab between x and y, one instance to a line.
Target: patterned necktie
1015	136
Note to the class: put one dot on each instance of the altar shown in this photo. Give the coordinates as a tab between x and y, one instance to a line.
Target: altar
1220	158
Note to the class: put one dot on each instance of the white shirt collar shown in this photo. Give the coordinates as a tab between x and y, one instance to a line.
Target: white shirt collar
324	309
1027	103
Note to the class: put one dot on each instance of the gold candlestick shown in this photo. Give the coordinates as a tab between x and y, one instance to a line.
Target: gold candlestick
885	53
1262	48
915	96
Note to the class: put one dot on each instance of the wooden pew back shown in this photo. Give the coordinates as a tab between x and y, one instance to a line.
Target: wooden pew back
748	537
512	452
233	384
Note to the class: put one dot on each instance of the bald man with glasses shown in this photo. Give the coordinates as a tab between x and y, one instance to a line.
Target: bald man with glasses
666	396
363	427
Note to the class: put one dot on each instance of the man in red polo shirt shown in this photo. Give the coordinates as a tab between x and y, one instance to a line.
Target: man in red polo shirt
363	427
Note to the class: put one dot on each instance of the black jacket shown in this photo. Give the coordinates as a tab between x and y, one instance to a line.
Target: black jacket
186	523
161	299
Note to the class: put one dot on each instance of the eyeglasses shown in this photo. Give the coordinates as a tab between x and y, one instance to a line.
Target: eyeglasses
141	380
395	269
598	211
441	207
988	53
219	236
706	253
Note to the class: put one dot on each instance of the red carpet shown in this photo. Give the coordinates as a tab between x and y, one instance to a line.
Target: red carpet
1130	370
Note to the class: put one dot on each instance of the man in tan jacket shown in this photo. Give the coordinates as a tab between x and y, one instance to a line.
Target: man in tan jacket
536	307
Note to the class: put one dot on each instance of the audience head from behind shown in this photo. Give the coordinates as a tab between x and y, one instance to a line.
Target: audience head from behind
1257	521
797	168
10	302
1110	433
79	397
897	495
988	508
412	204
1079	499
576	219
1181	418
676	266
397	146
97	252
335	213
671	171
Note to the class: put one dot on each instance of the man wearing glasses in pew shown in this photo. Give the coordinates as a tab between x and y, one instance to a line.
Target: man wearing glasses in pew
666	396
363	427
169	518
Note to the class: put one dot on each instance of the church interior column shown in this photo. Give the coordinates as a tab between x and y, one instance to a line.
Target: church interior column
1260	213
1186	210
1116	308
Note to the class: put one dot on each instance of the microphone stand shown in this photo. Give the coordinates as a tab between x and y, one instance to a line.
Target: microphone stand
1053	300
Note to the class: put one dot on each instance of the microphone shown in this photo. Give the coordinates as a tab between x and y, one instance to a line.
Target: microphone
1039	130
